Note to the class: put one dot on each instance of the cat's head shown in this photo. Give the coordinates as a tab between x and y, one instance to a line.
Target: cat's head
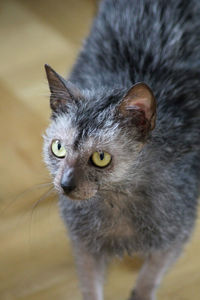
95	137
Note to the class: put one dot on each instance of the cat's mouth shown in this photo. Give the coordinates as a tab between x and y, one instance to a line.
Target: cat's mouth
73	197
80	195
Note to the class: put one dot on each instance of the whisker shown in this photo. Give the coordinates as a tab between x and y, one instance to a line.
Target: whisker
15	198
42	198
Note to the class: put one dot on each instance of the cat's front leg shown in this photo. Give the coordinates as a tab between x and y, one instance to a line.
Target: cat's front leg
152	272
91	270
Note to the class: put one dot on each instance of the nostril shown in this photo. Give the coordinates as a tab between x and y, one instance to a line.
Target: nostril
68	181
68	187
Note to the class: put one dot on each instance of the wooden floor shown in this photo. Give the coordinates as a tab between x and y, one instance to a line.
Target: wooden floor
36	260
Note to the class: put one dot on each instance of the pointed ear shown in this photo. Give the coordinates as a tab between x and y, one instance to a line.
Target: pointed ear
62	92
139	103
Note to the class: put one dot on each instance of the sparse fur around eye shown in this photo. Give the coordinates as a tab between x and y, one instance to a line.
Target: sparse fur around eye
146	200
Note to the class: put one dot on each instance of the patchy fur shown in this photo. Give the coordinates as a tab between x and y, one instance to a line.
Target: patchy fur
146	200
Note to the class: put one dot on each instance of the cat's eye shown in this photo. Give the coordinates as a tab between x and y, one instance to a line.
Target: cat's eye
58	149
101	159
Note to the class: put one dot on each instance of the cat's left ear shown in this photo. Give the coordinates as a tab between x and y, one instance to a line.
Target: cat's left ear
63	92
139	104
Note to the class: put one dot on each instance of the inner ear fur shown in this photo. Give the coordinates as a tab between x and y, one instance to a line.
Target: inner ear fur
63	92
140	102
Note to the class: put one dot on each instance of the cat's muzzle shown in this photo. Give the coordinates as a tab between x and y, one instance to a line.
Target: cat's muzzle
68	182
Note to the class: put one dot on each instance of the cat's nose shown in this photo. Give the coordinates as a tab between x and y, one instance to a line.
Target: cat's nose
68	180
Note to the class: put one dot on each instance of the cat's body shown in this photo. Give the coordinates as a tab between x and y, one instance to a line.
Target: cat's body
146	201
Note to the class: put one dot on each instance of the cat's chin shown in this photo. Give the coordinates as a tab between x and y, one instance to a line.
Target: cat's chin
76	197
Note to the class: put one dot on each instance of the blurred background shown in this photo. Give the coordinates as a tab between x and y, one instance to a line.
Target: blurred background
36	260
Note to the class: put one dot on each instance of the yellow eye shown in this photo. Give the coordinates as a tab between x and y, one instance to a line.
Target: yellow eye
101	159
57	149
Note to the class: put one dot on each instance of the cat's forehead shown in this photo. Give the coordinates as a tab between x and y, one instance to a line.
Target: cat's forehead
62	128
79	132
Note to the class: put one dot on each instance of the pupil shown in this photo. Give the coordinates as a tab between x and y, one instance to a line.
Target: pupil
59	146
101	155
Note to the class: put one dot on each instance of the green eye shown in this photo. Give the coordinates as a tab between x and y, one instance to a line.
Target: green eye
57	149
101	159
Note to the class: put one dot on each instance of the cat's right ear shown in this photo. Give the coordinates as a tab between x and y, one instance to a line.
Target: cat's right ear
63	92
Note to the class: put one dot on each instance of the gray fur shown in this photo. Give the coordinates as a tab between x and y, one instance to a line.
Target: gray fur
146	200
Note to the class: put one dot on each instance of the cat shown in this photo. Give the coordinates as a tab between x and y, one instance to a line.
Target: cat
123	146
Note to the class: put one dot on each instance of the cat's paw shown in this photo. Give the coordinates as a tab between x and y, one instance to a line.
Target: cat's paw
136	296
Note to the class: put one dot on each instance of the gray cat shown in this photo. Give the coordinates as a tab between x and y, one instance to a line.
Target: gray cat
123	146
